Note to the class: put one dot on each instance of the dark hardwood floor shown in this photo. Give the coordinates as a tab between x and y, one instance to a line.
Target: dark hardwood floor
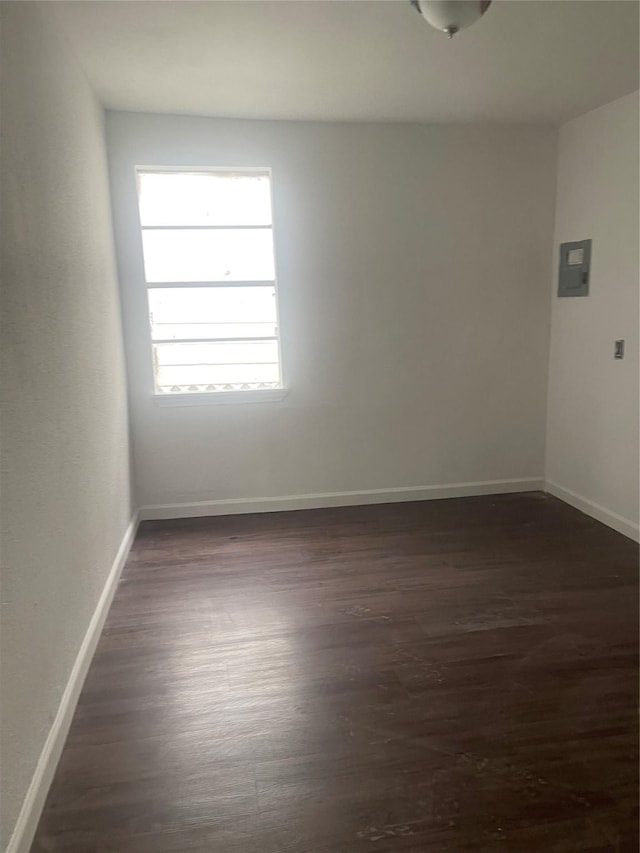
454	676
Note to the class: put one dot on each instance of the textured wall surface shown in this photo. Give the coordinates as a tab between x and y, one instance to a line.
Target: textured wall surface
592	438
65	467
413	268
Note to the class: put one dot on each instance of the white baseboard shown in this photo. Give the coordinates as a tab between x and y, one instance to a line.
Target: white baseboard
34	800
235	506
36	795
606	516
29	816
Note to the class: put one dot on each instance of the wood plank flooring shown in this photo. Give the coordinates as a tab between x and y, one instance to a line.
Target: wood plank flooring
451	676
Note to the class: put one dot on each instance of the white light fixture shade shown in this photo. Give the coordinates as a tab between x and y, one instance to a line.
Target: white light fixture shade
451	16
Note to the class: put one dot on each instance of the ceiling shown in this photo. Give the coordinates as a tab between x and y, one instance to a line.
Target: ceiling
541	61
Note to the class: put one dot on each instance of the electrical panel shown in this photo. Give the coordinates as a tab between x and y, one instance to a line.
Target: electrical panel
575	262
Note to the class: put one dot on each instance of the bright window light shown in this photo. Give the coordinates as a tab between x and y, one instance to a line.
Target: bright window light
207	242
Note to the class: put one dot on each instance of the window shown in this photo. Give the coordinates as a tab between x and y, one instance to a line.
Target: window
207	241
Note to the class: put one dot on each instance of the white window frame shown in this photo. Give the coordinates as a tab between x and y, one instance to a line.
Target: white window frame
254	395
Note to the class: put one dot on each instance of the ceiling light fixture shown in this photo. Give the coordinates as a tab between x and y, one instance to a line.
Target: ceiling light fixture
451	16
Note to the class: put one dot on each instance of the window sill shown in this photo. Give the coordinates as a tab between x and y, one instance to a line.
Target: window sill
222	398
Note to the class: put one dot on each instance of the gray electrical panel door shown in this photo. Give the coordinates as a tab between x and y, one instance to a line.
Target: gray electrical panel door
575	261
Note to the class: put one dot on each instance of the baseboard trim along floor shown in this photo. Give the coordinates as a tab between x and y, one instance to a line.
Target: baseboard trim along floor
428	672
235	506
33	803
34	800
600	513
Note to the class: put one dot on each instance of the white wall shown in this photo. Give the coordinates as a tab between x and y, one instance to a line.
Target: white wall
413	267
592	439
65	463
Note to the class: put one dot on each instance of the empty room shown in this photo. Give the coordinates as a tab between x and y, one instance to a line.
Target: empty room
319	426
